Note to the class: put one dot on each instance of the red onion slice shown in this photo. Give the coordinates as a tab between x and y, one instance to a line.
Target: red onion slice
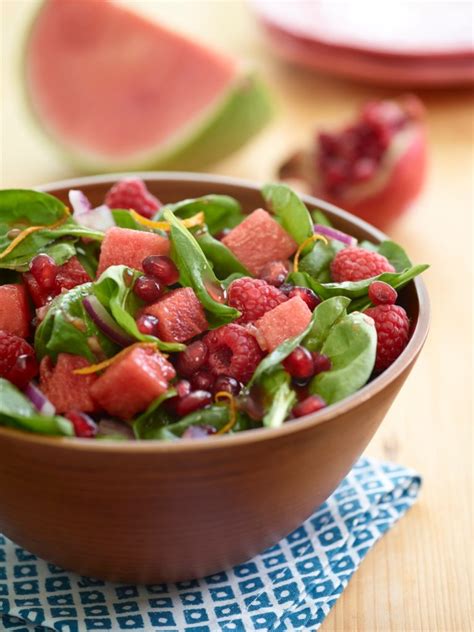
105	322
99	218
79	202
39	401
333	233
110	427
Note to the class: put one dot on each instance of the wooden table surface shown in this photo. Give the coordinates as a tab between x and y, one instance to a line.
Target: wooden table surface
418	577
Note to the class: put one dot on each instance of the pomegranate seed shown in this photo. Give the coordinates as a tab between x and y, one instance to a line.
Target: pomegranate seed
183	388
203	381
223	233
192	358
275	273
228	384
148	289
44	269
192	402
299	363
148	324
311	404
198	432
311	299
84	426
321	362
381	293
162	268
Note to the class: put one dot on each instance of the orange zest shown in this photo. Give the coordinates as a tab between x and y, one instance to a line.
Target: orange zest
95	368
220	397
32	229
190	222
302	246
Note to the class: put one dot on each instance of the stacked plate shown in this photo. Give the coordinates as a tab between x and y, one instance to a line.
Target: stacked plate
409	43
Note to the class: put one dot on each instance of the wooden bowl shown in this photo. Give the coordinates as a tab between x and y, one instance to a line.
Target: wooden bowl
158	511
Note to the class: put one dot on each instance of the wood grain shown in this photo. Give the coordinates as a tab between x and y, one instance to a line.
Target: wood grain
418	578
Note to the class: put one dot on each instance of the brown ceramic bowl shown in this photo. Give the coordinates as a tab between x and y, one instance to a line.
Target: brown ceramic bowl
157	511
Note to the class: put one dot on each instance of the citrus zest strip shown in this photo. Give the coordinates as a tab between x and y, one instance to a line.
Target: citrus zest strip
220	396
302	246
190	222
32	229
94	368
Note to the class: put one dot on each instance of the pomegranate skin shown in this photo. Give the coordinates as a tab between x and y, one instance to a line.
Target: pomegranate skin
401	186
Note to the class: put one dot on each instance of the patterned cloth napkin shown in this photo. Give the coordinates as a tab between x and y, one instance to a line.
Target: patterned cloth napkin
290	586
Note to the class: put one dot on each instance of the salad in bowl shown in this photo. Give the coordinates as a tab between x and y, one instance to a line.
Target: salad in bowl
143	320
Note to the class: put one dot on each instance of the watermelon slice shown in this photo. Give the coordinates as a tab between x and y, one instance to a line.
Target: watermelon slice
259	240
180	315
15	313
282	322
124	246
132	382
119	92
66	390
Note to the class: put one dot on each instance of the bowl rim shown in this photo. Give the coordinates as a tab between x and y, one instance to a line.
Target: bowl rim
408	355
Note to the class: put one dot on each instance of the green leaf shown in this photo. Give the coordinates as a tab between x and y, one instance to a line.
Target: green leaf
320	218
88	254
326	315
114	291
147	424
29	208
123	219
68	328
395	254
196	272
317	262
17	411
351	345
220	211
215	416
289	210
278	396
223	260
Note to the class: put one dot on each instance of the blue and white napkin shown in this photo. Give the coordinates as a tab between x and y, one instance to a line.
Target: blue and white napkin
290	586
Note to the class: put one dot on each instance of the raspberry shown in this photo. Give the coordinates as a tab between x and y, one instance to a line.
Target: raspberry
233	351
381	293
392	325
17	360
254	298
131	193
355	264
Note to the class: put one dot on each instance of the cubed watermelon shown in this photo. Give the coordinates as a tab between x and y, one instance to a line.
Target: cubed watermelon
180	315
258	240
282	322
129	247
15	313
132	382
66	390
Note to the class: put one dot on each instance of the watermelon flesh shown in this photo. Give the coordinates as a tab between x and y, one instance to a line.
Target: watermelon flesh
119	91
15	313
66	390
282	322
180	315
124	246
259	240
132	382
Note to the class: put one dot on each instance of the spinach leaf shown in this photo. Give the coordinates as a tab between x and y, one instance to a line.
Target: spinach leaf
215	416
320	218
317	262
114	291
196	272
289	210
395	254
351	345
88	255
18	412
153	418
278	397
222	259
326	315
220	211
24	206
123	219
68	328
